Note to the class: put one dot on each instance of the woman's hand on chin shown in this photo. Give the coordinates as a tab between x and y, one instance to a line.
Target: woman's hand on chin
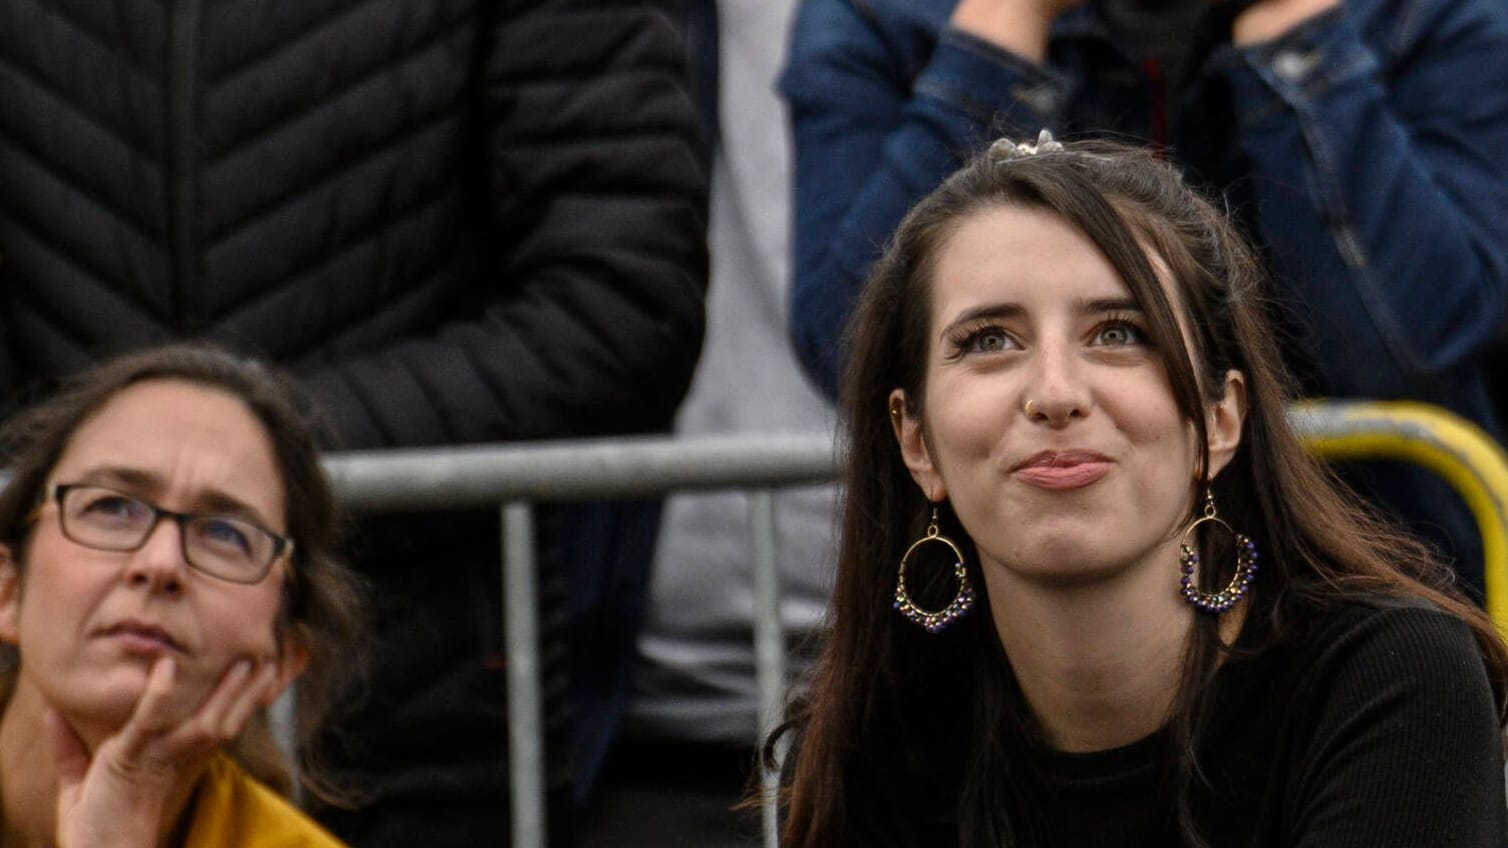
120	794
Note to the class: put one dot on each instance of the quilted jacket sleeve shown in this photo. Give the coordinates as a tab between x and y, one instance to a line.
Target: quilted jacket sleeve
598	238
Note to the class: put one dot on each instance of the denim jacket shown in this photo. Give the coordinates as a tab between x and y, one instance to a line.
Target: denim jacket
1366	151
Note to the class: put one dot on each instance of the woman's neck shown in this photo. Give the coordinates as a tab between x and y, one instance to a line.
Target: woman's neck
28	782
1099	663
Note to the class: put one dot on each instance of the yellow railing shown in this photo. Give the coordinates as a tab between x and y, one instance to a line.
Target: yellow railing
1452	447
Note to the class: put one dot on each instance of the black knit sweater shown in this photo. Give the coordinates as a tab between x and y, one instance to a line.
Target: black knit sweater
1376	727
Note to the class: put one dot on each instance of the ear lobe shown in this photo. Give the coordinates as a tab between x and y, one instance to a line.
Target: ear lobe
1225	421
913	444
10	597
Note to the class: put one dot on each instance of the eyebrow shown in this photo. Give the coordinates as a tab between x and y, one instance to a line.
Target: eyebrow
1089	306
209	501
980	313
1095	306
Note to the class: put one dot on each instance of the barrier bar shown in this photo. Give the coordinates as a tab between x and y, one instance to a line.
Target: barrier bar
769	641
485	475
526	755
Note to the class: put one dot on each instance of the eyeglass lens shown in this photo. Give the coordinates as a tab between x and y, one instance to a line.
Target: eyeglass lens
220	545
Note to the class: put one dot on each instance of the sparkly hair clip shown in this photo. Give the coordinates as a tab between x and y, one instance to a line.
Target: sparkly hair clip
1006	150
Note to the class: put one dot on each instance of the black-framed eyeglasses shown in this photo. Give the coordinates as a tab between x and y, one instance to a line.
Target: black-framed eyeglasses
222	546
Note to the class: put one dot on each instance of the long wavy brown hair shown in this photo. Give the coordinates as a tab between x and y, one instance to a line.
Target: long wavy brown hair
323	600
946	706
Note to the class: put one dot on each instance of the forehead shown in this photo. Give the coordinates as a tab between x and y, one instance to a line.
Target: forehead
194	441
1023	255
1034	257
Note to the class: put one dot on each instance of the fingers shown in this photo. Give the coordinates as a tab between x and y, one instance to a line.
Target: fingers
165	729
239	695
228	707
155	710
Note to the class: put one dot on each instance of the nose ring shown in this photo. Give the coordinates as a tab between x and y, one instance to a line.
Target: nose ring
1030	409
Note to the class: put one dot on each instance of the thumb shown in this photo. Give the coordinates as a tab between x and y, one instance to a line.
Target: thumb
69	756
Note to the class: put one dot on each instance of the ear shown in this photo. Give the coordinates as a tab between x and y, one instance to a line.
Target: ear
292	659
10	598
1224	420
913	443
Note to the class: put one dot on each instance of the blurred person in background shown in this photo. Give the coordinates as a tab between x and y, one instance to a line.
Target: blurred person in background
686	750
1362	143
456	222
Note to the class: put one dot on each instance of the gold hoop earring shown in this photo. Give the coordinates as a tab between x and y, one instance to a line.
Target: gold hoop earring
963	599
1188	564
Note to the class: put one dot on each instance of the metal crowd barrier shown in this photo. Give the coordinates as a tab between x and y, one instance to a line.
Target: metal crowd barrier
516	477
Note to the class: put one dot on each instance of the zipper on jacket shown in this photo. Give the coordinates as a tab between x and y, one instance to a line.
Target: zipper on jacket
183	43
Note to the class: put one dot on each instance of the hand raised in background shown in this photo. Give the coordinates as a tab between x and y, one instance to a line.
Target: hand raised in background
1269	19
1019	26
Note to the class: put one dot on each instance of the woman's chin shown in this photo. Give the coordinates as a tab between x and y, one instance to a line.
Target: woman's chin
110	697
100	705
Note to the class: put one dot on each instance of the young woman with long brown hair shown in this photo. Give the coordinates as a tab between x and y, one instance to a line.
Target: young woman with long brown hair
1091	590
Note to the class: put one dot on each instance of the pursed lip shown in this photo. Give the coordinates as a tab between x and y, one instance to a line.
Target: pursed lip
142	637
1062	469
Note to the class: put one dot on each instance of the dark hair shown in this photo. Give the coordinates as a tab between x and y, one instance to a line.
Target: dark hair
880	675
323	600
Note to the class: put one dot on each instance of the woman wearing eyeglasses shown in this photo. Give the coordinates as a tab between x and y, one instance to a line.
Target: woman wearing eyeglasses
167	570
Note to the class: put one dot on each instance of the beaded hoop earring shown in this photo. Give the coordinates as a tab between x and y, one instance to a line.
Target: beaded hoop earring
963	600
1188	562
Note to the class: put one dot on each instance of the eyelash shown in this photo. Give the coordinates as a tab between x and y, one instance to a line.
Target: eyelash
965	340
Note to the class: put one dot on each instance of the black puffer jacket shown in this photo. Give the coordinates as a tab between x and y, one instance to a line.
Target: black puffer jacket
459	220
443	213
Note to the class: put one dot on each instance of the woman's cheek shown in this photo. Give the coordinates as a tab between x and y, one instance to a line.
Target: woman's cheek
231	645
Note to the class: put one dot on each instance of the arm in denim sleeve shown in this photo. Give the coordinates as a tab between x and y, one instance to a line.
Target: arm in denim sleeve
879	118
1382	186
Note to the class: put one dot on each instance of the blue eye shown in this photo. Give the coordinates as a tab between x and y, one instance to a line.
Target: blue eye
990	340
105	507
1120	334
987	340
223	534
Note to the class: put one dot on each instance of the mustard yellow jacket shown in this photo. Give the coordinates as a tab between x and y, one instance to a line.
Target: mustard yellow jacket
232	810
